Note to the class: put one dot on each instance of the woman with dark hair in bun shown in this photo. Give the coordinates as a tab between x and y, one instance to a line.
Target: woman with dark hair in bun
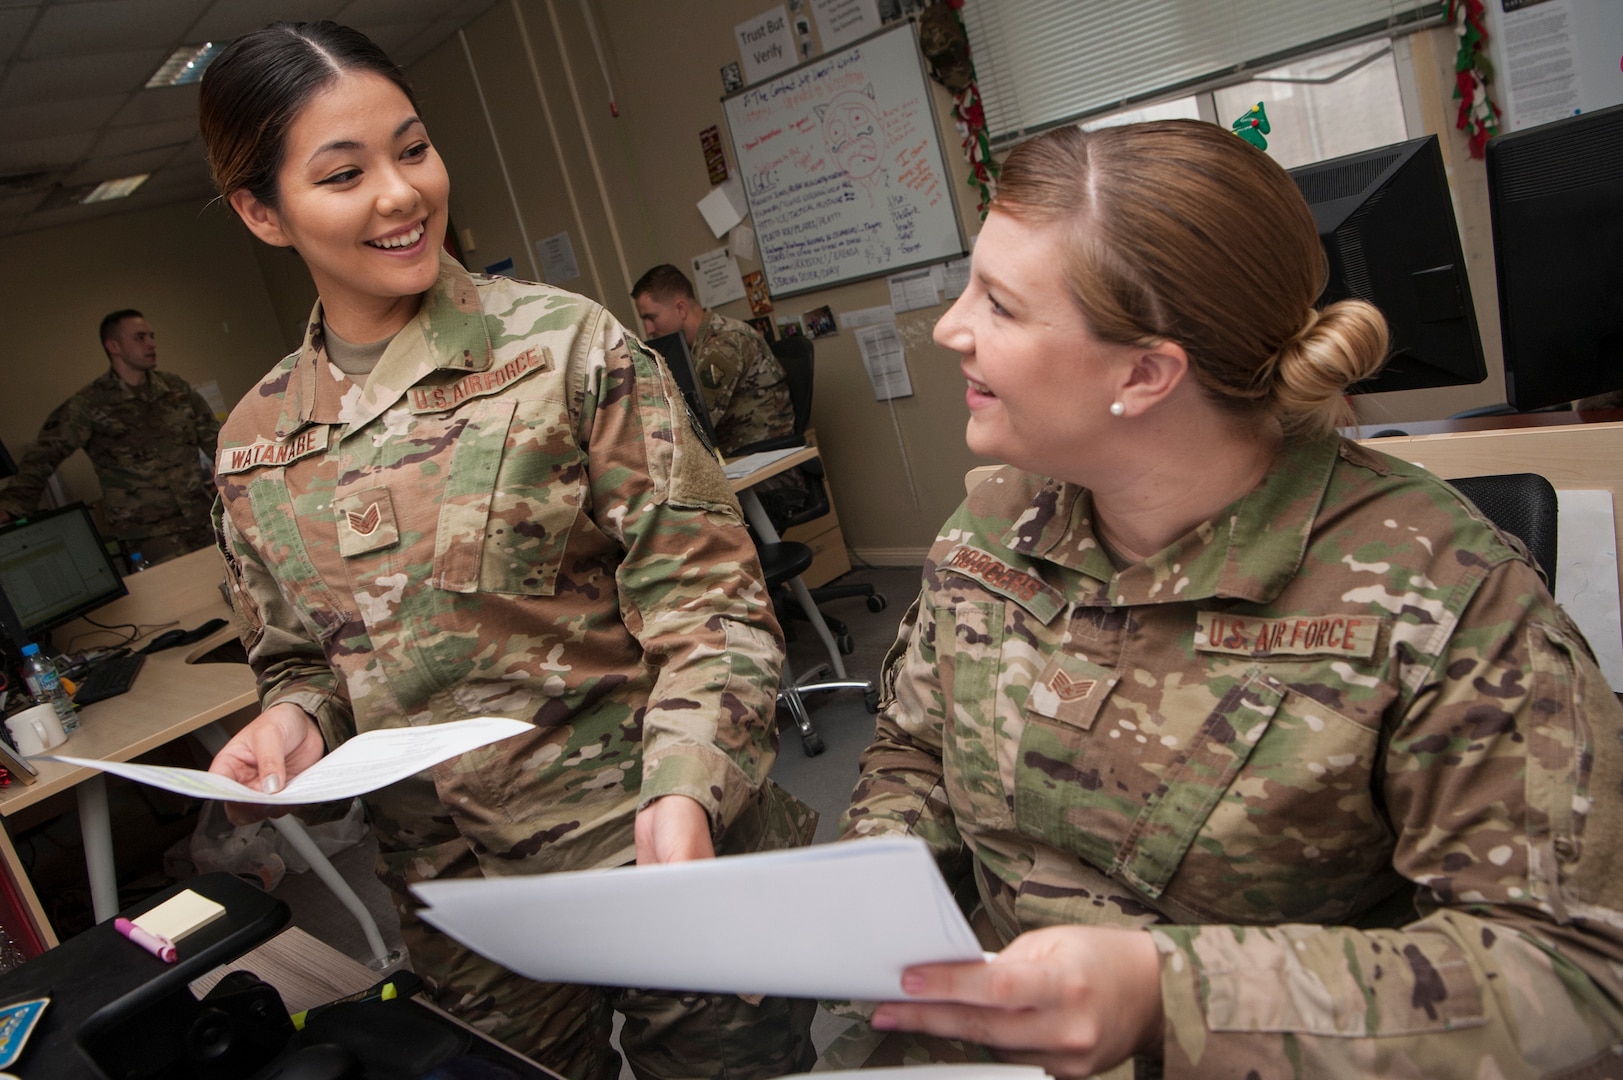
1255	752
467	495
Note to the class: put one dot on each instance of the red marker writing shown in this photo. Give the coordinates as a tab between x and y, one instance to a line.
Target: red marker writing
156	944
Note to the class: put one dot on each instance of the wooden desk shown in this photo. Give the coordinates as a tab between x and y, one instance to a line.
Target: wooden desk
170	698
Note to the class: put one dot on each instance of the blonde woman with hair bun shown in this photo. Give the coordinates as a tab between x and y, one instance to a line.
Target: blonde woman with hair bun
1253	751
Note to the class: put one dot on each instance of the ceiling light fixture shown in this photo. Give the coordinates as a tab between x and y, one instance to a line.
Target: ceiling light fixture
115	189
185	64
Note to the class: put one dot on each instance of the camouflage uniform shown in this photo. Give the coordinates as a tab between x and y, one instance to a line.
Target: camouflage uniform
742	383
143	441
1337	746
513	517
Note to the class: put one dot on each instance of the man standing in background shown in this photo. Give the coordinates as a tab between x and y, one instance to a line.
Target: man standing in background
142	430
741	380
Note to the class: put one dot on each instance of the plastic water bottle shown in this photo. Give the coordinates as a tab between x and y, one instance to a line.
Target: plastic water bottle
138	562
46	686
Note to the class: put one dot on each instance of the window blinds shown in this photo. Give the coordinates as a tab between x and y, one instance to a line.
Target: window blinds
1044	62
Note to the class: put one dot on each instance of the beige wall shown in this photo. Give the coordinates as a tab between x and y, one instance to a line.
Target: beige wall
626	190
191	271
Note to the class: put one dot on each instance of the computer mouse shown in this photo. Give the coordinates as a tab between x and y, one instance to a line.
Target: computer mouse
166	640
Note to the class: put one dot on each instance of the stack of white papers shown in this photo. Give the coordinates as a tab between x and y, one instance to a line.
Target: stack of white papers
832	921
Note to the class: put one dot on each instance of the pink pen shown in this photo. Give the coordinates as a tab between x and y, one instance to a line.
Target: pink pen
156	944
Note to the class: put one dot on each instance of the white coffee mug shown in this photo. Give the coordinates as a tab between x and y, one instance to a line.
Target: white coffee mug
36	729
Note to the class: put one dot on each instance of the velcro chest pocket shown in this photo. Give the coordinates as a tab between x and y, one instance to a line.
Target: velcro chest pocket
1127	798
516	487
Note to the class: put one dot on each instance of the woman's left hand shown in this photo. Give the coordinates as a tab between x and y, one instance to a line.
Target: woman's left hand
1073	999
673	828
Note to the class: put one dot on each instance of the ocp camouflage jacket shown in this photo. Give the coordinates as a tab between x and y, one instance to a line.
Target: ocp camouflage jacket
1337	746
512	517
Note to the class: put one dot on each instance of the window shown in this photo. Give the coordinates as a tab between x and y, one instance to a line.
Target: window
1325	107
1041	63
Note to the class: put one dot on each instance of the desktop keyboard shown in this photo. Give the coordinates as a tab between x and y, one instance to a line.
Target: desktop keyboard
108	679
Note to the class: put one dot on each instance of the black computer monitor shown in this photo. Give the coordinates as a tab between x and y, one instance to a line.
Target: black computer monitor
1387	224
53	567
673	349
1555	192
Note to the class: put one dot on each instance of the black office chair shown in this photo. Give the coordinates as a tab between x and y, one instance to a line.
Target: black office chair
1522	504
791	508
782	564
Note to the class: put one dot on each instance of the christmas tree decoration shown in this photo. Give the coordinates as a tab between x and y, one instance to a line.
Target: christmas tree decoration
1473	71
1253	125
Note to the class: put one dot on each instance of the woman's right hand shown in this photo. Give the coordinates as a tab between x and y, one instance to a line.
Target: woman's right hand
276	746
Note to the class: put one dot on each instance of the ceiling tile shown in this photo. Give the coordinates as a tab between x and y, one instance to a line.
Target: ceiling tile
57	151
14	23
47	118
128	140
111	25
160	104
29	81
227	19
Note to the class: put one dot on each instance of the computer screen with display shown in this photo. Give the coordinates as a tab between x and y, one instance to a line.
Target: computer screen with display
1556	196
1387	224
54	567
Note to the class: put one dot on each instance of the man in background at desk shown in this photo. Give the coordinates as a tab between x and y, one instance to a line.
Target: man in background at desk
742	382
142	430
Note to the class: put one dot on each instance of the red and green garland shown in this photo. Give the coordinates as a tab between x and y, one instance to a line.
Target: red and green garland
1473	71
970	116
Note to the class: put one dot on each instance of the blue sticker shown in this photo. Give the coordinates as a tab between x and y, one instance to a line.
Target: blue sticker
17	1022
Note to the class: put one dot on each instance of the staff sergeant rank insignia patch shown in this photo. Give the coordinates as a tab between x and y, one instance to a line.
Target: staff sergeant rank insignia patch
1307	635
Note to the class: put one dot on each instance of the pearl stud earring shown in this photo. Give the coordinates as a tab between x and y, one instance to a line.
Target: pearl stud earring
1117	409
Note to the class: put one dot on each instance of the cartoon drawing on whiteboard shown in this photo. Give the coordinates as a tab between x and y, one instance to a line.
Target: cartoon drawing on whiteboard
854	134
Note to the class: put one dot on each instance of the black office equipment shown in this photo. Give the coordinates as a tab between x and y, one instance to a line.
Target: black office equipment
54	567
1522	504
1555	193
1387	224
108	678
673	349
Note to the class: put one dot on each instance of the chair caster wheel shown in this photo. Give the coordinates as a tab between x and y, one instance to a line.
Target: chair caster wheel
812	744
847	644
876	603
871	699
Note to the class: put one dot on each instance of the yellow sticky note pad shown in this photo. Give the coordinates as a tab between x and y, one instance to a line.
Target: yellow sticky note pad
180	915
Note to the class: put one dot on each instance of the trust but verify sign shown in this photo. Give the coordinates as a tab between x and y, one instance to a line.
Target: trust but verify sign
766	44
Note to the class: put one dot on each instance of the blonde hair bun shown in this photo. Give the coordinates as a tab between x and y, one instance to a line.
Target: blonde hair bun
1336	348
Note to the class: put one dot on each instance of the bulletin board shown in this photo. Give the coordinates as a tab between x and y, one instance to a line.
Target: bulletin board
842	166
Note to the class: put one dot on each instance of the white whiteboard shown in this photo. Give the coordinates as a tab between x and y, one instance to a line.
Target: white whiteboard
842	166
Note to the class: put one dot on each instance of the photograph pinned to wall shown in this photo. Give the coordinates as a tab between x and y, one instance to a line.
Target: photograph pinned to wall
732	78
763	326
755	290
766	45
715	162
789	326
819	322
